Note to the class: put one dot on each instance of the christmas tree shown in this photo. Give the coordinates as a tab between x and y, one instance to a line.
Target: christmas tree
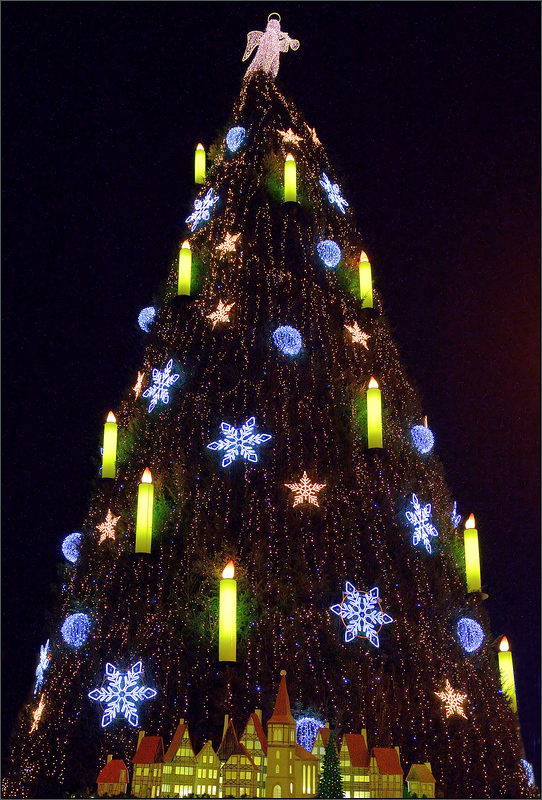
255	417
330	784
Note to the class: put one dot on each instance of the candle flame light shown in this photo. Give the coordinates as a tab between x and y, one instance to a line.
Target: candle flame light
229	570
111	417
289	157
146	477
186	244
200	147
363	256
373	384
504	646
471	522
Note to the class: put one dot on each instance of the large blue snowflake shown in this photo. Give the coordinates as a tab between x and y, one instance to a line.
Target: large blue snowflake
161	383
239	442
122	693
202	209
420	519
43	663
333	193
361	613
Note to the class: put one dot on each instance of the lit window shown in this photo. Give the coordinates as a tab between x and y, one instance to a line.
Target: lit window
277	769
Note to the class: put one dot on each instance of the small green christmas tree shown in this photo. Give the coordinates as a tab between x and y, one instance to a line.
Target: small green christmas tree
331	784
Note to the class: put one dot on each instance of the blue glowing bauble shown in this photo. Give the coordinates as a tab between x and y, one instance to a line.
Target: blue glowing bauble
422	438
146	318
329	252
420	519
288	340
75	629
162	381
529	772
71	546
121	693
470	634
306	729
235	138
361	613
239	442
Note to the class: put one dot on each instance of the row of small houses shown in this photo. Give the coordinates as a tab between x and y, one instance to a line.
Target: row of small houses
256	765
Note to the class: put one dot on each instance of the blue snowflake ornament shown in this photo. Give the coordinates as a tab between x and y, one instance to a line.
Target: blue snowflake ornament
333	193
122	693
159	391
361	613
202	209
454	516
43	663
420	519
239	442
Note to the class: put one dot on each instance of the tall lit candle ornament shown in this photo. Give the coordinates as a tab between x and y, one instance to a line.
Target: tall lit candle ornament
145	503
199	164
506	668
365	281
374	415
290	180
185	268
227	617
472	556
109	457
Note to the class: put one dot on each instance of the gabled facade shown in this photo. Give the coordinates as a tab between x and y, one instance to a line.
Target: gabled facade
207	771
420	780
147	764
320	744
239	772
354	762
255	741
113	779
179	769
385	773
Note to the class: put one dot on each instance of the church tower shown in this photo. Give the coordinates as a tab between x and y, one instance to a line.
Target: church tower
281	730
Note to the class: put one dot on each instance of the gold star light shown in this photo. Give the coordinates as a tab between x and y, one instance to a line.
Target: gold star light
108	527
452	700
221	314
289	137
37	714
139	384
228	245
358	335
305	491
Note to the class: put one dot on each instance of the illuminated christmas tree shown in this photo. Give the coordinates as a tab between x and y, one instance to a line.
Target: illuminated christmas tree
273	370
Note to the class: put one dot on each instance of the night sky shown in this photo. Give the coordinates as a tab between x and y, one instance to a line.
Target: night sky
430	113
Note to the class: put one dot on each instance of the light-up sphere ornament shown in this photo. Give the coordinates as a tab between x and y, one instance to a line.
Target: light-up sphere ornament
529	772
329	252
235	138
75	629
146	318
306	729
288	340
470	634
422	439
71	546
361	613
121	693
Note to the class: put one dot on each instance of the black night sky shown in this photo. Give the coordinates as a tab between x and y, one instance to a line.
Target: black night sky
430	113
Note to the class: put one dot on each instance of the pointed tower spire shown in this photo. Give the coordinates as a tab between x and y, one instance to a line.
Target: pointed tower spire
282	712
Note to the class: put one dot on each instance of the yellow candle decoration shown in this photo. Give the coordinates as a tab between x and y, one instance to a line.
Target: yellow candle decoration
109	456
185	268
145	502
199	164
365	281
472	556
506	668
290	181
374	415
227	618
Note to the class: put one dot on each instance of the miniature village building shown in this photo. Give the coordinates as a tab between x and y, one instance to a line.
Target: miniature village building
239	772
113	779
148	763
354	762
207	771
255	741
420	780
179	769
320	744
385	773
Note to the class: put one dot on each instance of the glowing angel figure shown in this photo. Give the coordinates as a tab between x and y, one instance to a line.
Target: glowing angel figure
271	43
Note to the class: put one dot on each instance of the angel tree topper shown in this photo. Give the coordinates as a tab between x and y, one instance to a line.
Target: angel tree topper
122	693
271	43
239	442
361	613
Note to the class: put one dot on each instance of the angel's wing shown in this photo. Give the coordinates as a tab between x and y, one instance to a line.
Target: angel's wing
253	39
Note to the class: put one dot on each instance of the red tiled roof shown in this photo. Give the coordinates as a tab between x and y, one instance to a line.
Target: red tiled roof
175	742
228	744
259	731
357	749
282	712
387	760
112	772
419	772
150	751
324	735
304	754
